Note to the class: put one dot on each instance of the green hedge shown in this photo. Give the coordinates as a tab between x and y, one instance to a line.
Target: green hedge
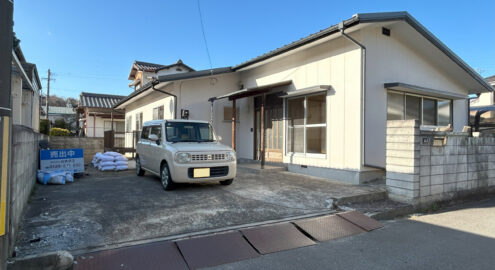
59	132
44	126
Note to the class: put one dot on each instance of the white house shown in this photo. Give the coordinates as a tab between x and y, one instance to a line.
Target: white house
25	91
142	72
325	98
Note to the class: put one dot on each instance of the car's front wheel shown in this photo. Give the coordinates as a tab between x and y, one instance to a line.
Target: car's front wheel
139	170
165	178
227	182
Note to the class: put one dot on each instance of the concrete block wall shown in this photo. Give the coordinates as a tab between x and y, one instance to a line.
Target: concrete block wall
425	166
25	142
91	146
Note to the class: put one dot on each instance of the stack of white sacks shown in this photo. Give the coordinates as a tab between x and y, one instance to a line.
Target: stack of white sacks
110	161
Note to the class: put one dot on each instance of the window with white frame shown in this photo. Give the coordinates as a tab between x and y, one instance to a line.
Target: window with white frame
429	111
306	124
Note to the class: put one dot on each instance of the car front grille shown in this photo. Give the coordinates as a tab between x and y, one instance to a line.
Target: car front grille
207	157
214	171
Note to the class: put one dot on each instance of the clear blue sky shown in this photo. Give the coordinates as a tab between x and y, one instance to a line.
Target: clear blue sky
90	45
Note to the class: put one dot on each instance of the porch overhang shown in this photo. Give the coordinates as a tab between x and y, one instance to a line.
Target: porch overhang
306	91
414	89
253	91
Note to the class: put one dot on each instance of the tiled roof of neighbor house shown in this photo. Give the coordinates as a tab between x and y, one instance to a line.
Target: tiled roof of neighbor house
151	67
491	79
59	110
145	66
94	100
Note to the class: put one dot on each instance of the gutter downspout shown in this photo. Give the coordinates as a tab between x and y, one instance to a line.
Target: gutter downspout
154	82
363	92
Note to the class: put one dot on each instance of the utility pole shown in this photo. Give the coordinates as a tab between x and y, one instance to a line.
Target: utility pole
48	95
49	78
6	50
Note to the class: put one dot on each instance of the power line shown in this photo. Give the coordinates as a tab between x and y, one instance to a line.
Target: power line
204	35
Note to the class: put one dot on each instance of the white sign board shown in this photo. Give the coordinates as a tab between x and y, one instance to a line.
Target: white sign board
62	159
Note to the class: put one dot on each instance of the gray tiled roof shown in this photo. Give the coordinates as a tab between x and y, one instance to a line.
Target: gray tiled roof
151	67
145	66
94	100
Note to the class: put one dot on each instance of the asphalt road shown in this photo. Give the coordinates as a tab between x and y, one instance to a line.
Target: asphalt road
462	237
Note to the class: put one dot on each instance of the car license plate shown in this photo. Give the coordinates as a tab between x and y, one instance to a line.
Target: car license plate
201	172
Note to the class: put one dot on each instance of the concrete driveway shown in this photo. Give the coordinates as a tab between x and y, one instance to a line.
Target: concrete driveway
110	209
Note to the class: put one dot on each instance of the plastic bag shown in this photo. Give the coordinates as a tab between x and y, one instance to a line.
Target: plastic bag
120	163
121	168
120	158
43	177
107	168
106	158
69	176
107	163
57	180
58	177
114	154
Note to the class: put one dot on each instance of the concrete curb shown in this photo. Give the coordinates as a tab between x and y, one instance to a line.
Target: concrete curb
368	197
59	260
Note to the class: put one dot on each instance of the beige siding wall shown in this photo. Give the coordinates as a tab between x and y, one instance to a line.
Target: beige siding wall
390	59
192	95
335	63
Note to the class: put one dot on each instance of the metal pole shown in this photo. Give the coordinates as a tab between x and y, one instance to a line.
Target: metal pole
48	97
262	131
6	50
234	116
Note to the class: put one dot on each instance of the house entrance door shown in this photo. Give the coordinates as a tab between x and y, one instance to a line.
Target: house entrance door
273	125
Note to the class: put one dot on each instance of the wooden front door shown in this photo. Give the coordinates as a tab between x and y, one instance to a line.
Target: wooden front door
273	128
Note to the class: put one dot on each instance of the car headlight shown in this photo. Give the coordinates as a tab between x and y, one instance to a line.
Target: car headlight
183	157
230	156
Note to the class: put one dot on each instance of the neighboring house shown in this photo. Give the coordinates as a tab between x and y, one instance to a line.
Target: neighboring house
25	90
68	114
142	72
326	98
97	114
485	98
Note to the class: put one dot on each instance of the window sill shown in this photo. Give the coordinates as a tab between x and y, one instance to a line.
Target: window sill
307	155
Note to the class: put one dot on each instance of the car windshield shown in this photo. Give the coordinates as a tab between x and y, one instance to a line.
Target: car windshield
189	132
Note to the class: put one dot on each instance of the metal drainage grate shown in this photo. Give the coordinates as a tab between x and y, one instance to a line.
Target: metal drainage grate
328	227
361	220
216	249
273	238
159	255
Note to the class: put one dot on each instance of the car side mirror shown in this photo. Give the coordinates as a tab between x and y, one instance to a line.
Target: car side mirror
153	137
219	138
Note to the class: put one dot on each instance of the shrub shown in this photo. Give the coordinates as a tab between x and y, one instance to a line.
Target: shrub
60	123
44	126
59	132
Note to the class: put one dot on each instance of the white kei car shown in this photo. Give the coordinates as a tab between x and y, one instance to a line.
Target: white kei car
184	151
